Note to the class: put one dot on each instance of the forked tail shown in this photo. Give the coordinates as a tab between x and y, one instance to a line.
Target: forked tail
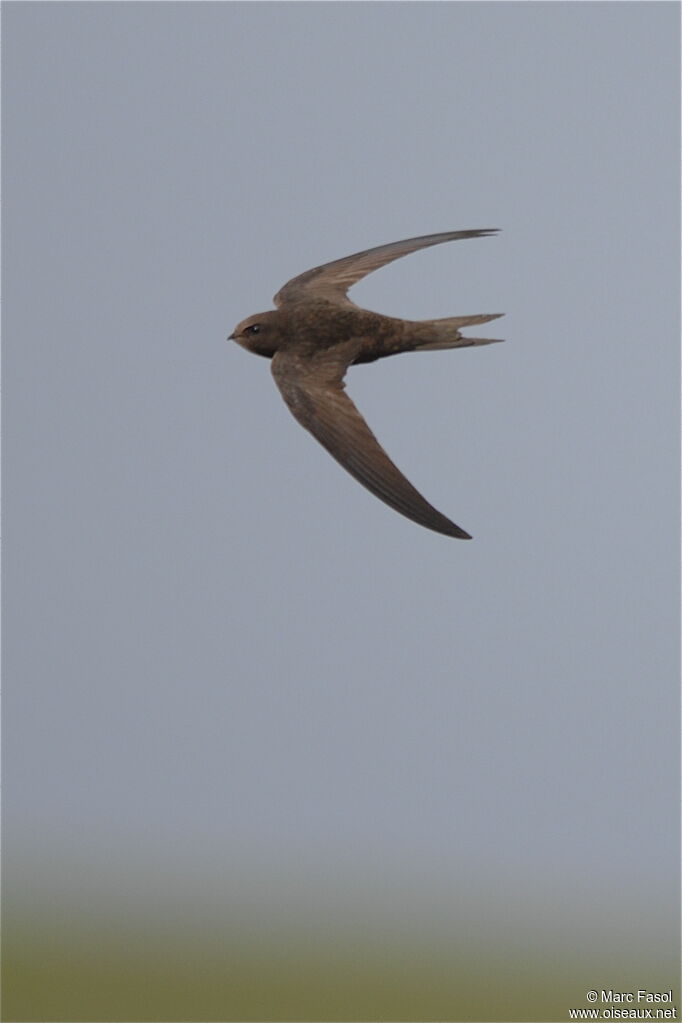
446	332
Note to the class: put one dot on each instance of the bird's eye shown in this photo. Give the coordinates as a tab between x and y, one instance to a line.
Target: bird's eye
253	329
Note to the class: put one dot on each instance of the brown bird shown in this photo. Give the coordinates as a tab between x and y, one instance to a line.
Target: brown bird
316	333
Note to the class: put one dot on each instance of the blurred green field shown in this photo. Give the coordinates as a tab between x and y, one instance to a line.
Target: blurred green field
57	969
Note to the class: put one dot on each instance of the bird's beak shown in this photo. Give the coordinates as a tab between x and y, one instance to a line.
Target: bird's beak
230	337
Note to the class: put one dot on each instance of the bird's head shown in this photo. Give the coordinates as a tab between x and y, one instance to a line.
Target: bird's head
261	333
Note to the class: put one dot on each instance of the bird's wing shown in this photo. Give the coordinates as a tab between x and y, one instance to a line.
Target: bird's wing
332	280
313	389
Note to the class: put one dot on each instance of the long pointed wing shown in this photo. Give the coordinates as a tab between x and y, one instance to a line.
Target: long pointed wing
332	280
314	392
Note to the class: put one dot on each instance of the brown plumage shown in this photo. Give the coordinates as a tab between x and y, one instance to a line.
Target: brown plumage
316	333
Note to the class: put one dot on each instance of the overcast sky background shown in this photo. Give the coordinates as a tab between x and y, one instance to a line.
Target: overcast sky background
231	674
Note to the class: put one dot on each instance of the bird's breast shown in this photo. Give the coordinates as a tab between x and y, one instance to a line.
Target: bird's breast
323	325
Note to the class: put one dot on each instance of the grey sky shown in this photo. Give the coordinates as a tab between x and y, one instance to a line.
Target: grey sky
227	664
